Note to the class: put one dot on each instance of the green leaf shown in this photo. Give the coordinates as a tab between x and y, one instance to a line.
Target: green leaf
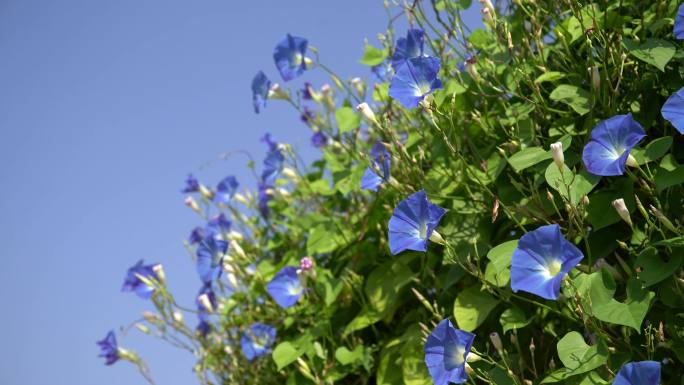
577	356
501	255
528	157
653	150
413	358
389	367
582	185
346	357
669	173
366	318
385	282
655	52
600	212
559	181
672	242
285	353
347	119
655	269
472	306
325	238
575	97
496	278
549	77
372	56
514	318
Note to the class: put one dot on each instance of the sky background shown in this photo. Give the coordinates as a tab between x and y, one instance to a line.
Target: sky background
105	106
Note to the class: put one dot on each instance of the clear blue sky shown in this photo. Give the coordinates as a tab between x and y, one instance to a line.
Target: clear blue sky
105	106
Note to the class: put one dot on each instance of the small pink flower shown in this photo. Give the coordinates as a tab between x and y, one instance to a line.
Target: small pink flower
306	264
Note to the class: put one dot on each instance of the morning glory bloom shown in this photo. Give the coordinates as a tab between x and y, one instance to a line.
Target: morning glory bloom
285	287
446	350
210	253
109	349
413	222
308	115
273	165
226	189
415	79
673	109
135	284
638	373
204	326
319	139
196	235
371	180
289	56
408	47
541	260
611	141
257	340
264	198
218	225
383	71
679	23
260	87
191	184
272	145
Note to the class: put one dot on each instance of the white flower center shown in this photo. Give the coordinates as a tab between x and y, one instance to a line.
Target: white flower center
424	88
457	358
422	232
297	59
554	267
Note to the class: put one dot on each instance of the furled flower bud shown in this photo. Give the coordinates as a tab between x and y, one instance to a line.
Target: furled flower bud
232	279
487	16
276	92
206	193
178	317
290	173
663	219
585	201
436	237
595	78
367	112
487	4
190	202
621	208
359	86
234	245
631	161
205	302
308	63
142	328
496	341
241	198
557	153
159	272
150	317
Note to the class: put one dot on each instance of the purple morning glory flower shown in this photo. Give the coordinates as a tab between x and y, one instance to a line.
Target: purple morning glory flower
639	373
541	260
679	23
132	282
306	91
285	287
446	350
191	184
415	79
319	139
408	47
226	189
210	253
308	115
273	165
371	180
673	109
257	340
412	223
196	235
610	144
383	71
218	225
289	56
109	349
204	326
260	87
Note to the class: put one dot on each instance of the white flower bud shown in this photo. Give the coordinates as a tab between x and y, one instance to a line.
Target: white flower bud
276	92
557	153
367	112
238	249
487	16
205	302
595	78
190	202
241	198
178	317
631	161
142	328
487	4
206	193
436	237
621	208
496	341
234	235
159	271
290	173
232	279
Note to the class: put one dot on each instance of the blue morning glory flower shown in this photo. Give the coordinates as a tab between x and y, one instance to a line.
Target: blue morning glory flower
638	373
257	340
308	115
196	235
285	287
264	198
218	225
204	326
272	145
541	260
383	71
109	349
226	189
289	56
446	350
415	79
319	139
191	184
210	253
412	223
610	144
273	165
260	87
408	47
306	91
673	109
371	180
135	284
679	23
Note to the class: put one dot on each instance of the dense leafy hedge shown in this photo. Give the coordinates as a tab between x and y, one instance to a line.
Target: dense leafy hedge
519	180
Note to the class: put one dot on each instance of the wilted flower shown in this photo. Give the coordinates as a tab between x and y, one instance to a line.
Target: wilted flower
371	180
319	139
607	152
289	56
134	283
415	79
109	349
225	190
257	340
679	23
285	287
210	254
191	184
541	260
446	351
673	109
206	303
639	373
408	47
413	222
260	87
